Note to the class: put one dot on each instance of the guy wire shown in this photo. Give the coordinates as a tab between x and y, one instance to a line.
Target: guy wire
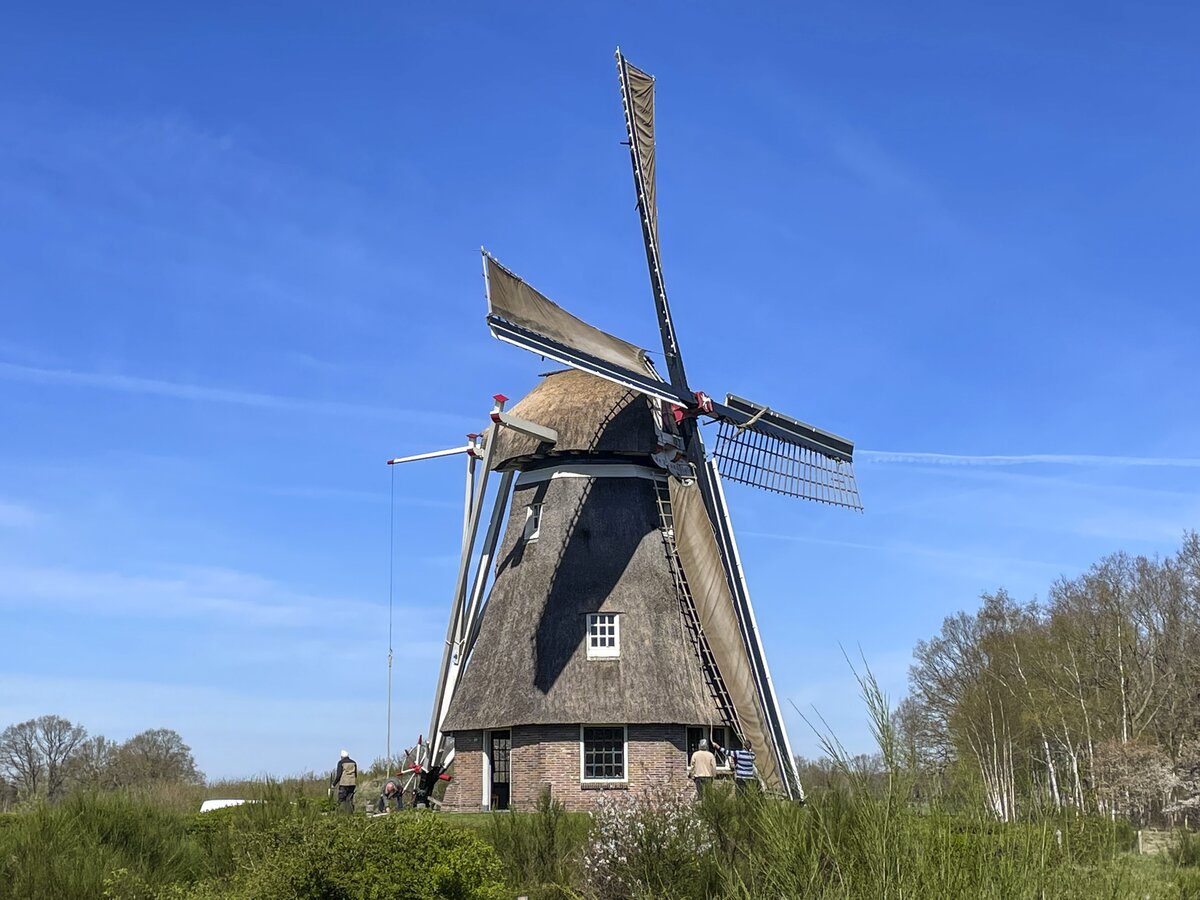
391	582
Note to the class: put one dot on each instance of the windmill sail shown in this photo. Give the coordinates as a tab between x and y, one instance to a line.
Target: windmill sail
733	644
637	95
515	302
764	461
637	89
524	317
766	449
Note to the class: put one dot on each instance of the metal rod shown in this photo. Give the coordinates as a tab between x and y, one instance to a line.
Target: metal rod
391	583
436	453
469	499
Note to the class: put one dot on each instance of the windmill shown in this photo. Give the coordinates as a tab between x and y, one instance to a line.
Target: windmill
618	624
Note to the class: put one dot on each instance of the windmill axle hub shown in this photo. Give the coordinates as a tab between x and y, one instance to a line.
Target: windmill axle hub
702	407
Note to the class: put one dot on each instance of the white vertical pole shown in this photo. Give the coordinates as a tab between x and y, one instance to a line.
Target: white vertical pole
470	622
469	499
451	654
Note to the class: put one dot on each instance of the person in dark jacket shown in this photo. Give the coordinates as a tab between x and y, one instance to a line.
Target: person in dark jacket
393	795
345	779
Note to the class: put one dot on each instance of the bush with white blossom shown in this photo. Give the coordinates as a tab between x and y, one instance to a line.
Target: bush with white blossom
646	843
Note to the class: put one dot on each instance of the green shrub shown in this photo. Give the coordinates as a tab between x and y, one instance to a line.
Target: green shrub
398	856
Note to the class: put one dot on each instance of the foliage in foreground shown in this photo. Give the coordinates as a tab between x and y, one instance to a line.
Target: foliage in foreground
122	847
415	856
845	843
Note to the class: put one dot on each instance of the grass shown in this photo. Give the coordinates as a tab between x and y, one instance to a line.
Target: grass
861	837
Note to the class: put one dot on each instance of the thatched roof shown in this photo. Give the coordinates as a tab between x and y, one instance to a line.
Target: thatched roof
591	415
599	550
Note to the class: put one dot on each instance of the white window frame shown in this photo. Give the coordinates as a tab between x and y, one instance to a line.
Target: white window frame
624	779
603	652
533	522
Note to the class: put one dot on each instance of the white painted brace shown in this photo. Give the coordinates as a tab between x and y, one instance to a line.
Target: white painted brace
590	470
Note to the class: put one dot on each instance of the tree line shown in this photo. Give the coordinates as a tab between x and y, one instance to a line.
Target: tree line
48	757
1089	699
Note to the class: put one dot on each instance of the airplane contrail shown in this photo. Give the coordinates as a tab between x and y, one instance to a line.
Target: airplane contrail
157	387
902	457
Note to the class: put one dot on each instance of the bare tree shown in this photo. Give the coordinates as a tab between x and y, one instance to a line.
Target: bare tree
56	740
20	759
158	754
93	765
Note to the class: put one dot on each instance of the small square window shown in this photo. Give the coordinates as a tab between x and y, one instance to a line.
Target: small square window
603	635
603	753
533	522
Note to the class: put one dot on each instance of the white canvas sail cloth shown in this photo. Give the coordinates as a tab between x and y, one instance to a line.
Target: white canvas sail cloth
517	303
697	548
639	101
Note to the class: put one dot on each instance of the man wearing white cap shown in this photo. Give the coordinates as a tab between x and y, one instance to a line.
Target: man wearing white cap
345	779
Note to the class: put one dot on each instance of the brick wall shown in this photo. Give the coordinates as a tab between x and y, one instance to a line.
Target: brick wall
549	756
465	790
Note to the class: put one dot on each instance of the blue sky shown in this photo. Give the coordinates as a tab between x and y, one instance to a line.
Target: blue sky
239	269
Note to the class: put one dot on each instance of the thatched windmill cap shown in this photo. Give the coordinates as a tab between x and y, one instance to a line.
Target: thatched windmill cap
592	417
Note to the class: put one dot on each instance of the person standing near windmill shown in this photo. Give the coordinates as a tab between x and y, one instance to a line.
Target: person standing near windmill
702	768
742	763
345	779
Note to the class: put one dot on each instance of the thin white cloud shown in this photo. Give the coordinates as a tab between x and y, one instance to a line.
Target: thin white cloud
18	515
188	592
893	457
133	384
973	561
